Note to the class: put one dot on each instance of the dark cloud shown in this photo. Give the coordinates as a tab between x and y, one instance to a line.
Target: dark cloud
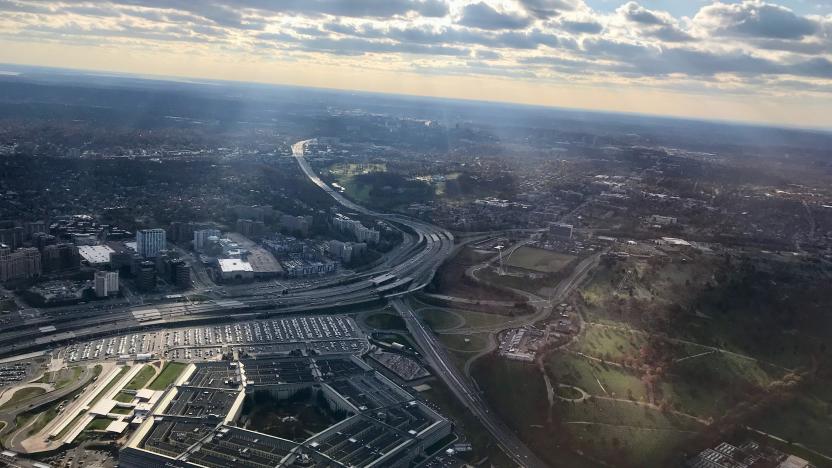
487	55
641	60
548	8
581	27
21	7
754	18
669	33
481	15
655	24
525	40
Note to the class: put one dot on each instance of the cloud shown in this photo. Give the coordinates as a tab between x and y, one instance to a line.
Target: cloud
581	27
549	8
755	19
651	23
482	16
638	14
747	42
639	60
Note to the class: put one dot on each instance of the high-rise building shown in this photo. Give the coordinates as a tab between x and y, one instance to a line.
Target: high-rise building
354	227
150	241
34	227
61	257
202	235
341	250
106	283
11	235
42	239
146	276
21	264
181	273
248	227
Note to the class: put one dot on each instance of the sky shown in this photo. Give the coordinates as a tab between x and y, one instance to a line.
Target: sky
747	60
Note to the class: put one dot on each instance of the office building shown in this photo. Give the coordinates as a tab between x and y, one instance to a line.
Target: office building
146	276
561	230
201	238
33	227
251	228
662	220
11	235
358	230
20	264
149	242
60	258
347	251
106	283
181	274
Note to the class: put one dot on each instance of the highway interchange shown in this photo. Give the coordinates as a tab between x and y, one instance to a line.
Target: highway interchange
406	269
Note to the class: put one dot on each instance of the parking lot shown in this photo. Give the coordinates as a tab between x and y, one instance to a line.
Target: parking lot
323	334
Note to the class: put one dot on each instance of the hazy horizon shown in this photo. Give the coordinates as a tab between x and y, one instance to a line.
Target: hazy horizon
747	61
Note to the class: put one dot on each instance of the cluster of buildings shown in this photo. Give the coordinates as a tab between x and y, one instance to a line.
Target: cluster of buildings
354	227
23	263
751	454
196	422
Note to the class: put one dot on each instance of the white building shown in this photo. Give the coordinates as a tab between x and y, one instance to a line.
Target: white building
662	220
106	283
150	241
202	235
95	254
361	233
234	269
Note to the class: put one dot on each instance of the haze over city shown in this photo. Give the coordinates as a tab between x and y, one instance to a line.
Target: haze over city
415	234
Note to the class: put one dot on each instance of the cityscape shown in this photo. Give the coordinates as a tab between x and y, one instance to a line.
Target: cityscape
202	271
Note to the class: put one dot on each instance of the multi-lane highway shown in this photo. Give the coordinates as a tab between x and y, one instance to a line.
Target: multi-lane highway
422	266
409	267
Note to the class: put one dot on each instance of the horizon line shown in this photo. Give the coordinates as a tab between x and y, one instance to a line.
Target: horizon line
206	81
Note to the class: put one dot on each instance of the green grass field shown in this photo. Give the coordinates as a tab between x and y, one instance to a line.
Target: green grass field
438	319
610	344
594	377
544	261
385	321
110	384
98	424
713	383
476	342
123	397
22	396
168	375
141	378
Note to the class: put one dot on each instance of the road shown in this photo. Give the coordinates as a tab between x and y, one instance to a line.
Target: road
407	269
8	415
432	350
434	354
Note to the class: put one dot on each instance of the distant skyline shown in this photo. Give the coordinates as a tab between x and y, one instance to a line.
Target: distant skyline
747	60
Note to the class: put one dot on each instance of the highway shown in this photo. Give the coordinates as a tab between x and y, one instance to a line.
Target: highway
422	266
407	268
434	354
